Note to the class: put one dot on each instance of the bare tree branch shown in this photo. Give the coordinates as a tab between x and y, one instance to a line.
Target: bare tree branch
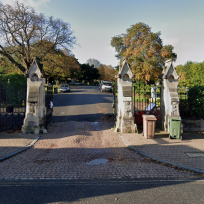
23	33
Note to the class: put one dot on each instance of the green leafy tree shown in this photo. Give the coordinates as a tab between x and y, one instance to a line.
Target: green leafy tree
89	73
196	100
143	50
191	74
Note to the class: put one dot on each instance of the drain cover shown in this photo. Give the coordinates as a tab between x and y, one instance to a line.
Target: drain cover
97	162
195	154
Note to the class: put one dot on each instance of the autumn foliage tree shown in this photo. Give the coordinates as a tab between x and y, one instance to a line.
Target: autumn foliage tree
60	64
23	32
143	50
107	72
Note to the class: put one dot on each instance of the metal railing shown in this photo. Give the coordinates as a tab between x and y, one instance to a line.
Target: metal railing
12	105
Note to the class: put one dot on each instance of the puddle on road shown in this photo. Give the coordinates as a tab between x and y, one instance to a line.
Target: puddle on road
98	162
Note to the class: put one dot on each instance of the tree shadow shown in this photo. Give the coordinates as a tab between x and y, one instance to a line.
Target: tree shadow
83	117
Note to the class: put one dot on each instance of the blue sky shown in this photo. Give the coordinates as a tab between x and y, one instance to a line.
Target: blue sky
95	22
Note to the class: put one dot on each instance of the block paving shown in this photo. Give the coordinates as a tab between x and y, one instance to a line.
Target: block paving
63	153
172	150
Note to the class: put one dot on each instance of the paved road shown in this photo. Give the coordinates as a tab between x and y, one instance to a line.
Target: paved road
120	191
83	103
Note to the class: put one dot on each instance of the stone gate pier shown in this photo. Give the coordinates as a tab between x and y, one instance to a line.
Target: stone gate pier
125	119
169	94
35	105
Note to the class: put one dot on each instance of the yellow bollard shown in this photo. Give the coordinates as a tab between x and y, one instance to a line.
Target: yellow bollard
23	103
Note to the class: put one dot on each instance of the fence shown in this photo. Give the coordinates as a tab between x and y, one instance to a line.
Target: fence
146	100
183	104
12	105
48	104
185	111
115	102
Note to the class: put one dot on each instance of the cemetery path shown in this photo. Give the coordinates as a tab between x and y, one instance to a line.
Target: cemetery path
83	150
83	103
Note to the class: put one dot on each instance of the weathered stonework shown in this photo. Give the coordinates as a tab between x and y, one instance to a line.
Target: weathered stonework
169	94
125	120
35	107
193	125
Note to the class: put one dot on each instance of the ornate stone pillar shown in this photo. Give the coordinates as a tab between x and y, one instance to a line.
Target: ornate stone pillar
35	106
125	117
169	94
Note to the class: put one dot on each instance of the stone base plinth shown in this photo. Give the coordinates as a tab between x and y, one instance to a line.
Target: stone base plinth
31	125
126	125
31	129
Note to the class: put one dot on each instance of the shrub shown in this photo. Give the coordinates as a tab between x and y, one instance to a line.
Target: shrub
196	100
13	78
13	89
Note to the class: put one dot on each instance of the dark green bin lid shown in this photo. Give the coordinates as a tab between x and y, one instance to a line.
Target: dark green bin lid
174	117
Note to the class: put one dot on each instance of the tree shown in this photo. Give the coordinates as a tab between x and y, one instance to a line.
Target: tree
197	73
107	72
101	71
21	27
191	74
88	73
61	64
93	62
6	67
183	82
143	50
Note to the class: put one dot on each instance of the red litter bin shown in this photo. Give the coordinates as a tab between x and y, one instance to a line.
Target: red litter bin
149	123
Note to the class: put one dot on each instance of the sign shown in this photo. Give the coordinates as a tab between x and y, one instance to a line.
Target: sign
127	91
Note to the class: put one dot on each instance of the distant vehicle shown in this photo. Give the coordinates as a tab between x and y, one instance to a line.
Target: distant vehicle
65	88
105	86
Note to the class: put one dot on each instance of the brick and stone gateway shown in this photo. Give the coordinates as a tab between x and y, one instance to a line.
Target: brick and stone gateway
131	102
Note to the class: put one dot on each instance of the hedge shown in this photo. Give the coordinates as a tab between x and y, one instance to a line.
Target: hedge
196	101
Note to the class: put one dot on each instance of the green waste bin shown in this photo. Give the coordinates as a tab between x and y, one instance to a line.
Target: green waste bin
174	127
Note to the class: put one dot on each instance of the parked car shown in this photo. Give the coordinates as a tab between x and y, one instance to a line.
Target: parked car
105	86
65	88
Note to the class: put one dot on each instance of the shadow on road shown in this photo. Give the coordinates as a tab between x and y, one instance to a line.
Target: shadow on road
102	191
82	117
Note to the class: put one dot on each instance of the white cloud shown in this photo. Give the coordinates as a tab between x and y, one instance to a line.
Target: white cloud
32	3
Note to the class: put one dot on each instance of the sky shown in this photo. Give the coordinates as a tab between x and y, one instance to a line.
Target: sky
95	22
